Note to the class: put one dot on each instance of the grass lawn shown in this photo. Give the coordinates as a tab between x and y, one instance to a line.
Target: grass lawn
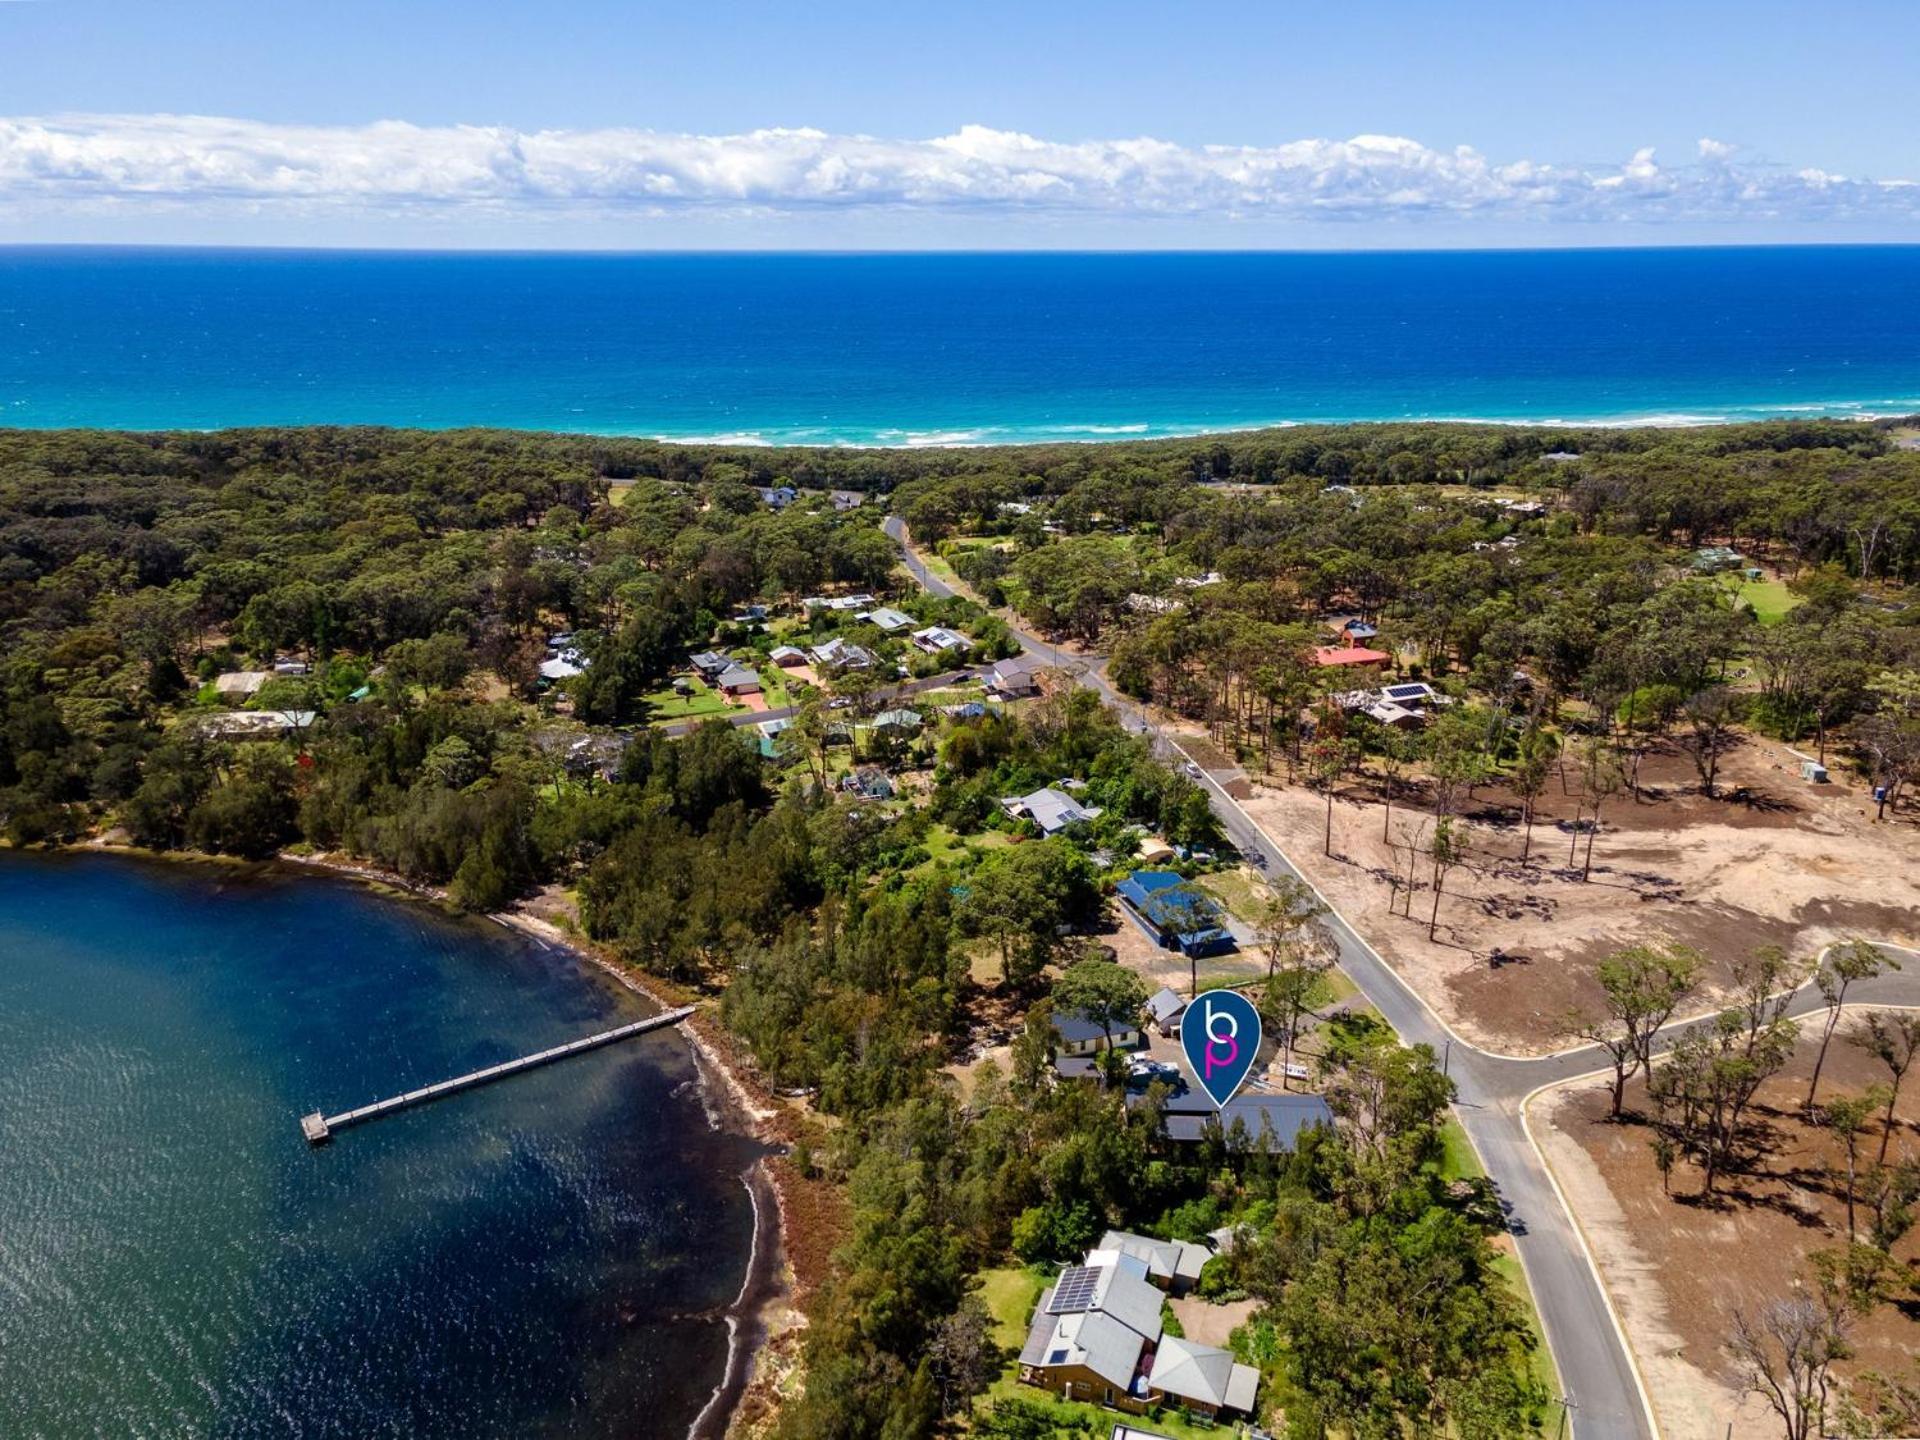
938	567
1074	1418
1236	889
773	684
944	844
1541	1362
1341	990
1010	1293
669	704
1458	1159
1460	1162
1770	600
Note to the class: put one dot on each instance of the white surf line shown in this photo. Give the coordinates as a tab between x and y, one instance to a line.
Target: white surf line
733	1313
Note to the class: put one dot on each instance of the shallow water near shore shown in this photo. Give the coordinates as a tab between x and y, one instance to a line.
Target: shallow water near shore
553	1255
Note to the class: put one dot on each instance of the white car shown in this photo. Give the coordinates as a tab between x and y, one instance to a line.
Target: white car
1146	1066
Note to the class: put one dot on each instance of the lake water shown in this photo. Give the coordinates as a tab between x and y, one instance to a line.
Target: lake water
930	349
553	1255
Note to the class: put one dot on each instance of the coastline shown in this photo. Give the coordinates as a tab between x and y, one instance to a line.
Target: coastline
959	435
731	1101
740	1105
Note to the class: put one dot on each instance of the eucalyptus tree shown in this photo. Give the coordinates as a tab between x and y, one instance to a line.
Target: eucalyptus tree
1839	967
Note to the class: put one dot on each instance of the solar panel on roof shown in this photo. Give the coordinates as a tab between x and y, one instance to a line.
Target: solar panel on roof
1074	1290
1058	1357
1404	692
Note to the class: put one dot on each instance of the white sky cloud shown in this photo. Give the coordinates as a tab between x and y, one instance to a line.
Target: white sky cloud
85	163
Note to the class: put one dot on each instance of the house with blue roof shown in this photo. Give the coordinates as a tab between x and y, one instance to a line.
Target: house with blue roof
1175	914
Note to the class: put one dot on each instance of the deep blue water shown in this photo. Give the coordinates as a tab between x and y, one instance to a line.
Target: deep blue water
903	349
548	1256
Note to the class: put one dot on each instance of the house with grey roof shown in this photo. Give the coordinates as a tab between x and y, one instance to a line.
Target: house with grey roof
1092	1337
1076	1034
564	665
253	724
739	680
860	601
887	618
1050	810
1173	1265
1270	1121
869	782
1096	1337
1165	1008
905	721
1076	1067
1016	677
839	654
770	733
1204	1379
240	682
937	639
709	664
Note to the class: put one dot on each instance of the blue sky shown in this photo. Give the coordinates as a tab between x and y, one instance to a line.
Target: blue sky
596	124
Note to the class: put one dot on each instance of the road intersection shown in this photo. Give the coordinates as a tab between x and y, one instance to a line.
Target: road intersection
1605	1395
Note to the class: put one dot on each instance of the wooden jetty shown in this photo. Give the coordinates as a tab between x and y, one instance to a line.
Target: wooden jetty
318	1128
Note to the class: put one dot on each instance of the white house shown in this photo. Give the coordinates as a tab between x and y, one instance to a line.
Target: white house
937	638
1050	809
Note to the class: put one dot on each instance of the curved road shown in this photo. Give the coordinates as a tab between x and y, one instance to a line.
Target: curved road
1603	1389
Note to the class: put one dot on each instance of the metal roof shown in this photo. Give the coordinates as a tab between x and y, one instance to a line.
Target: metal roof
1274	1121
1204	1373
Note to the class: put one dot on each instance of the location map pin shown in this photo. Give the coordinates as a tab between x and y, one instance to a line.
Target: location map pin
1221	1036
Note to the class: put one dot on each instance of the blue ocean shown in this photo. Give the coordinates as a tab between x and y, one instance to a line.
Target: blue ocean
951	348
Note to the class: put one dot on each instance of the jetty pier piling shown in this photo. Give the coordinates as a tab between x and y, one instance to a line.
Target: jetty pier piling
318	1128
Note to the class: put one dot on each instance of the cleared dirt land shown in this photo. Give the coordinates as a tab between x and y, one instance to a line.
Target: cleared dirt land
1771	859
1677	1269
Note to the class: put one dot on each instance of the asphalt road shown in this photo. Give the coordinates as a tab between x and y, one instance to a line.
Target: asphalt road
1603	1391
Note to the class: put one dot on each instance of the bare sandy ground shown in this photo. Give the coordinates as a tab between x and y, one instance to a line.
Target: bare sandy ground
1773	861
1676	1270
1688	1403
1206	1323
1158	967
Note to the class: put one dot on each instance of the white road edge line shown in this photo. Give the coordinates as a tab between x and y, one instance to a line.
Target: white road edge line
1573	1219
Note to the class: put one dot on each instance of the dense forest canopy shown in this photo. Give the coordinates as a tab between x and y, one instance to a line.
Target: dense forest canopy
386	598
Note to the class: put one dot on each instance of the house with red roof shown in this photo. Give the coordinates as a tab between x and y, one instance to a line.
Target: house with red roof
1350	657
